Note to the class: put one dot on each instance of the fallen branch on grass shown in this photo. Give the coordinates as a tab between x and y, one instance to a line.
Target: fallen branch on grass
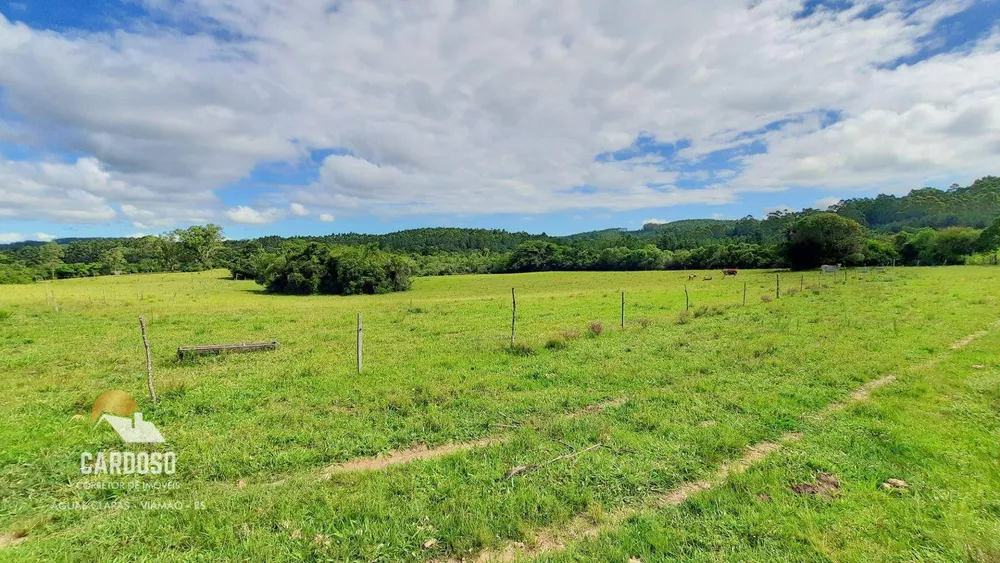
522	469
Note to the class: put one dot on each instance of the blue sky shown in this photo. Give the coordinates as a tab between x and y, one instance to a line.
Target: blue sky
134	117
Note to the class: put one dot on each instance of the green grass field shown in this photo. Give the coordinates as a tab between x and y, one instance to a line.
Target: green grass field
666	400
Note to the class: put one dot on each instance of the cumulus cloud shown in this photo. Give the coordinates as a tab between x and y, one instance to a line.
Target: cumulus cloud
326	217
250	216
488	107
18	237
825	203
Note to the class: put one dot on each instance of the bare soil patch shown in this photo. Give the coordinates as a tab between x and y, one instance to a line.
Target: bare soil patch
10	540
824	486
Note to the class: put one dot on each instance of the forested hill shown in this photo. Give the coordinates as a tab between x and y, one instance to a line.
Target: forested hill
973	206
440	239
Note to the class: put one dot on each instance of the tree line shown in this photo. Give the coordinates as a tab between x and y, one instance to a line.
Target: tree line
925	227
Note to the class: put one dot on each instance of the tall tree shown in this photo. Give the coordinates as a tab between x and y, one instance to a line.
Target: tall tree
824	238
50	257
202	241
113	260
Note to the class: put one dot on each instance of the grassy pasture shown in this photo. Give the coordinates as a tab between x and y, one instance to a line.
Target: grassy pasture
253	431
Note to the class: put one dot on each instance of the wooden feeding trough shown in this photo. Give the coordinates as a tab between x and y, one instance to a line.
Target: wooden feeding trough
185	351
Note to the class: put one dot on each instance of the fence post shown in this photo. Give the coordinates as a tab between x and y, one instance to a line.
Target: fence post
513	316
802	282
687	299
623	309
744	294
149	360
777	286
360	339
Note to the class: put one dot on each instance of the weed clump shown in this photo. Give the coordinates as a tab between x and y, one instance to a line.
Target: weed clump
709	311
791	292
4	315
766	298
683	318
555	343
644	322
521	349
596	328
568	335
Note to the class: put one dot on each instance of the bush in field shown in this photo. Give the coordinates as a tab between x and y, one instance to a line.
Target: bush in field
596	328
319	268
766	298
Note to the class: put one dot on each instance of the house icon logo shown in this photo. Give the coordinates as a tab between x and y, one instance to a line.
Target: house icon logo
120	410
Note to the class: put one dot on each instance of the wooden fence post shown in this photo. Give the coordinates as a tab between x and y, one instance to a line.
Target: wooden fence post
744	294
623	309
777	286
149	359
360	340
513	316
802	282
687	299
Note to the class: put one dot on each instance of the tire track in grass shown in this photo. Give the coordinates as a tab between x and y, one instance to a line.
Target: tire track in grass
557	538
422	452
399	457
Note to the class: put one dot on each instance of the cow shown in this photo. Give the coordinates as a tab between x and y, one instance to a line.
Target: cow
729	271
709	278
692	276
827	268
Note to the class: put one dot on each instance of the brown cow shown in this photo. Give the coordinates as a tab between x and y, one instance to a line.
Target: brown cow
729	271
692	276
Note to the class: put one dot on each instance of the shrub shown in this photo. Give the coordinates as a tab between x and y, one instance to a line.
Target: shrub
683	318
766	298
596	328
791	292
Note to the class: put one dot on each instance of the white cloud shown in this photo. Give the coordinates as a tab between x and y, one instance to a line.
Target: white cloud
18	237
250	216
485	107
654	221
326	217
826	202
